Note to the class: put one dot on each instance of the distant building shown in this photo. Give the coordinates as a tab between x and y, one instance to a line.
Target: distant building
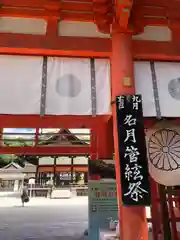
63	170
13	176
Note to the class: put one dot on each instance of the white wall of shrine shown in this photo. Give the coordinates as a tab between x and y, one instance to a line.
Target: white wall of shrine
75	28
49	161
23	25
154	33
79	29
39	27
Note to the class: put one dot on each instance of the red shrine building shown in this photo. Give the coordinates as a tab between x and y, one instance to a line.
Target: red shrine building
62	65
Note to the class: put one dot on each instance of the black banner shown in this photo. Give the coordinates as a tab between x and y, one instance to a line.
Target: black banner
132	151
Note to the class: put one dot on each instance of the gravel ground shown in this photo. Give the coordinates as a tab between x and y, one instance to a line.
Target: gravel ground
43	219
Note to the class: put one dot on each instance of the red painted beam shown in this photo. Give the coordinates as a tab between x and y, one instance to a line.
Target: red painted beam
150	11
153	50
44	4
88	1
29	3
72	150
159	3
55	46
28	13
35	121
158	13
63	14
77	6
83	47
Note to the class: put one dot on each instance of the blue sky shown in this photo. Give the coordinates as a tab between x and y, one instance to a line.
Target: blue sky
33	130
19	130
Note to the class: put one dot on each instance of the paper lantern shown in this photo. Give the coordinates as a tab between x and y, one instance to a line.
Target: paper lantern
163	149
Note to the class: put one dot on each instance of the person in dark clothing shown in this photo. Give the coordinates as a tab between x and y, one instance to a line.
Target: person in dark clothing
24	196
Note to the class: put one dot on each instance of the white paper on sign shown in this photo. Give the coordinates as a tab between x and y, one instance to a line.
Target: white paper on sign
163	144
20	80
168	82
143	86
68	86
103	93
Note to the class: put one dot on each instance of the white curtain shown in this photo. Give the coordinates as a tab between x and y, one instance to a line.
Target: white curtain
168	81
20	81
103	86
69	86
163	149
143	86
168	84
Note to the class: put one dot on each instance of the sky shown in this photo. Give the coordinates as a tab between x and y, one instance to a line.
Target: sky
19	130
30	131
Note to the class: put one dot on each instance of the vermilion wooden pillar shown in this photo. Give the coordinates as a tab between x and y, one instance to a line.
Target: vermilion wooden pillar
105	140
133	224
155	210
93	142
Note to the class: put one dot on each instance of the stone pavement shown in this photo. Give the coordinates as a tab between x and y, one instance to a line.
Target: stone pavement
40	202
43	219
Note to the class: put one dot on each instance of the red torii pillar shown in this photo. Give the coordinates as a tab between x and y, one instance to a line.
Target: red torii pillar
133	223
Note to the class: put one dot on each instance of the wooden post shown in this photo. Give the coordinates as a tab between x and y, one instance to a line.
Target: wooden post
54	171
165	214
93	143
72	168
133	223
104	140
155	210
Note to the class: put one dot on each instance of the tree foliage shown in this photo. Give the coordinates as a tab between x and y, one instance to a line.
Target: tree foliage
20	159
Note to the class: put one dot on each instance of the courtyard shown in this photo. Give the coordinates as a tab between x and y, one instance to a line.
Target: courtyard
43	219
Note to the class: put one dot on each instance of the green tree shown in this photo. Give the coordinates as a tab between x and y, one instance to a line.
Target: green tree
6	159
20	159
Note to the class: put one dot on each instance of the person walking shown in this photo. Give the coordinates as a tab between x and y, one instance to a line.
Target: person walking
24	196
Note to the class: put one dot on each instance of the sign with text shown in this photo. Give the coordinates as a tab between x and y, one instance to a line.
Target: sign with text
102	206
102	196
132	151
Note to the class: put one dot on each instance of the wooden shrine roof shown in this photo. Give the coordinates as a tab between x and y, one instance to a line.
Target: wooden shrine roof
66	137
16	168
127	13
135	14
